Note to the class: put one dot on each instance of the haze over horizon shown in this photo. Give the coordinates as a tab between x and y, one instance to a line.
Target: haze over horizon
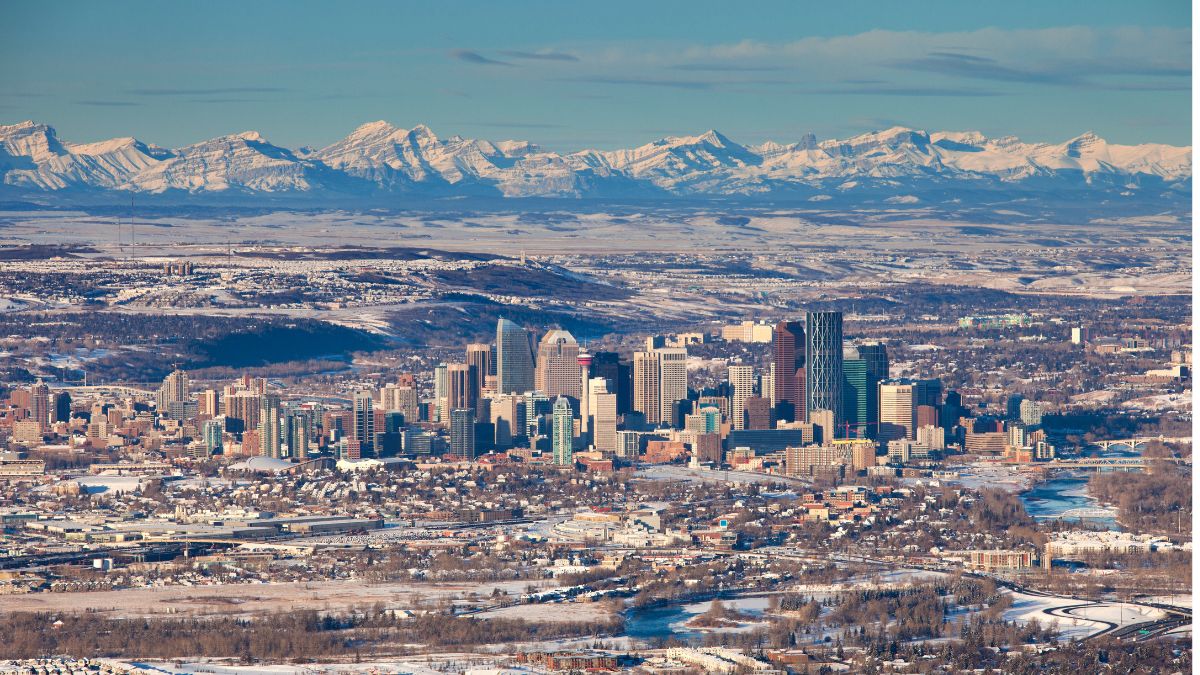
306	75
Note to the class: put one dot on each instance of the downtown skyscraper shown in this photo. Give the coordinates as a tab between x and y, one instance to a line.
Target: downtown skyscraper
562	435
557	372
268	426
788	347
514	359
823	367
741	384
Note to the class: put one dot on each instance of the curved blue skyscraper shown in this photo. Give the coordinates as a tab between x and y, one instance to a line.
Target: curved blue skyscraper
823	371
514	359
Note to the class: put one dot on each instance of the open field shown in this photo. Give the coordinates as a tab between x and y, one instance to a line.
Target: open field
246	599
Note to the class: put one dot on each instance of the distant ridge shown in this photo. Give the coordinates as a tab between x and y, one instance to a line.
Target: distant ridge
379	159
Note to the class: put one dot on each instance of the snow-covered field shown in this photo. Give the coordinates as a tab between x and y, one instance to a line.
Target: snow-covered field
1181	401
681	473
465	663
1176	600
1072	618
981	475
243	599
563	611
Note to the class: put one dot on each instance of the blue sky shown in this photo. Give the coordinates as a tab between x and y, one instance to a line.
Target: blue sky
611	74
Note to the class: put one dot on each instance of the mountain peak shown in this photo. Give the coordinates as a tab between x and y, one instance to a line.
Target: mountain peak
422	132
1086	138
376	127
26	124
378	156
26	127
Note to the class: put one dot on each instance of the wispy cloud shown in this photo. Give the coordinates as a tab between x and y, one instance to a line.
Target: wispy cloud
224	100
641	82
469	56
891	90
541	56
108	104
725	68
1079	56
980	68
205	92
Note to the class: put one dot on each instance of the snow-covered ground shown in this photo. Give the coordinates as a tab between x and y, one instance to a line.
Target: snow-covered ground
1072	618
681	473
752	606
1181	600
883	580
97	484
472	663
990	475
1181	401
562	611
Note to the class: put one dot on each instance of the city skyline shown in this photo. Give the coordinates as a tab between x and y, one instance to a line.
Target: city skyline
676	337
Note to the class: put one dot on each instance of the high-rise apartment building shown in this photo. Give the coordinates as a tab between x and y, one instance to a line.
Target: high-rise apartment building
241	408
299	431
462	433
1031	413
213	433
210	403
741	386
514	359
563	433
268	426
364	420
766	384
440	398
174	388
401	397
39	404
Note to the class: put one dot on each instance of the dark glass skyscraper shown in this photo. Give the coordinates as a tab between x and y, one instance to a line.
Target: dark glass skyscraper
863	367
619	375
856	397
788	347
823	365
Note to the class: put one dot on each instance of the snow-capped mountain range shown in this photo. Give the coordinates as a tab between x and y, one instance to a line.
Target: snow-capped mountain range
379	159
